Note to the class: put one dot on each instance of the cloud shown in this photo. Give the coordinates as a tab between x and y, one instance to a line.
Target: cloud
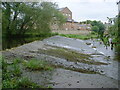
89	1
90	9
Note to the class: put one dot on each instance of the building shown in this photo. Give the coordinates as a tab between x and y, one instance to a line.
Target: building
70	23
84	26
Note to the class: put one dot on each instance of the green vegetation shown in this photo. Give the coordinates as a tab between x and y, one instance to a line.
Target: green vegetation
37	65
71	55
23	82
95	28
8	43
83	37
114	30
98	27
11	76
28	18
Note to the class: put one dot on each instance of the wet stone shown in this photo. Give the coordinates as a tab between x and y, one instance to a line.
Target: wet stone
88	43
78	81
69	84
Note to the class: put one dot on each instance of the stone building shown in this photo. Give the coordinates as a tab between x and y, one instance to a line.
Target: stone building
70	23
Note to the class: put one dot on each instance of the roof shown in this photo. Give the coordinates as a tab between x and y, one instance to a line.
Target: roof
60	9
84	25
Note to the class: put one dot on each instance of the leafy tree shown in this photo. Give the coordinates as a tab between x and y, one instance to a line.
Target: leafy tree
88	21
114	30
101	27
20	18
95	28
99	24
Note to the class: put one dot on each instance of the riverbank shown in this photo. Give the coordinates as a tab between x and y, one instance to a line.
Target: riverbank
93	64
80	32
15	40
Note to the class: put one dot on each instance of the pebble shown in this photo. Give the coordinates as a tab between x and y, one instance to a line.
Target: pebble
91	83
69	84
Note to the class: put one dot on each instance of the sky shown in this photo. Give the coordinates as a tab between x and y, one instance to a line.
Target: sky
90	9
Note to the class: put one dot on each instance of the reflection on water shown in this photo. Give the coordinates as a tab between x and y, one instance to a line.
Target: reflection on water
8	43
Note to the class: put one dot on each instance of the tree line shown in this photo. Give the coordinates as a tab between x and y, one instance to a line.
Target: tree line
114	29
22	18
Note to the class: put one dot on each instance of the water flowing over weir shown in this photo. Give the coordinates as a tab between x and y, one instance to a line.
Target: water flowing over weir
78	63
99	53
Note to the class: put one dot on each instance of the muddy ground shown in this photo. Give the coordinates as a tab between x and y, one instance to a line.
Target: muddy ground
79	63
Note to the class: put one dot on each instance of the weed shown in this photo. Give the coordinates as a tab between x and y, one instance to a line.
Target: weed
11	78
26	83
70	55
17	61
49	87
37	65
16	70
23	82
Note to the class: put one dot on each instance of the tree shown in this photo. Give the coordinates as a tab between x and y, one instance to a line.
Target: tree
99	24
95	28
20	18
101	27
114	30
88	21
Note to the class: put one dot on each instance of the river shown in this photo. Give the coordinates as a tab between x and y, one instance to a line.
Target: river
99	53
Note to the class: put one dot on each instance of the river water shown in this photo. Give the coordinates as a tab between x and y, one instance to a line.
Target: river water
66	78
100	53
111	70
8	43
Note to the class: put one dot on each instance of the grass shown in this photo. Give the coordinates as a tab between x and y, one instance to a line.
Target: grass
83	37
22	82
11	78
34	64
71	56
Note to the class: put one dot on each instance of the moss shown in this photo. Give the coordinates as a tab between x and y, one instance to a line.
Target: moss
70	55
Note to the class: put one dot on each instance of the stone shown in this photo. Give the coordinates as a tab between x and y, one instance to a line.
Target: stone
88	43
93	46
69	84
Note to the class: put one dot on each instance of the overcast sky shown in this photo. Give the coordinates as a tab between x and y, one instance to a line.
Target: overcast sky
90	9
